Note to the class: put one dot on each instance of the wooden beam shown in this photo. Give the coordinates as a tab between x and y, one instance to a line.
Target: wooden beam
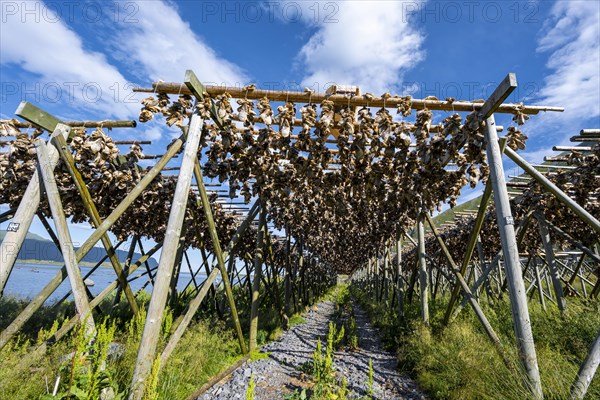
516	286
340	100
465	288
88	203
551	260
37	116
423	277
258	264
162	280
13	240
552	188
66	243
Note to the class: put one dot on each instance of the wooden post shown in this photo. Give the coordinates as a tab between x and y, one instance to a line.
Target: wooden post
150	336
212	229
43	295
386	265
538	282
400	281
465	288
586	371
551	261
424	285
23	216
287	279
516	286
193	84
66	328
258	262
45	170
62	148
552	188
485	199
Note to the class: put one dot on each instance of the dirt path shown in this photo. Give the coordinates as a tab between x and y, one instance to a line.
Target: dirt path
280	374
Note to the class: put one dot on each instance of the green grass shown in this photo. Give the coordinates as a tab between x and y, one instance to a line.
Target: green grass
459	362
208	347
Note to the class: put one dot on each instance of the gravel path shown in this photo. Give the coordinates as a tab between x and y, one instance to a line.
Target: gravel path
280	374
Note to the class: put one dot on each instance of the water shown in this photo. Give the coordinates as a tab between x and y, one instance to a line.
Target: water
27	280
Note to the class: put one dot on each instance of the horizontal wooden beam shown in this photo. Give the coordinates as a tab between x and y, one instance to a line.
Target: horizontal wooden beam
571	148
37	116
341	100
109	124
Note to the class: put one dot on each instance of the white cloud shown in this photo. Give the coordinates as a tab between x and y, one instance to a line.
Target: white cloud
573	36
370	44
164	46
41	43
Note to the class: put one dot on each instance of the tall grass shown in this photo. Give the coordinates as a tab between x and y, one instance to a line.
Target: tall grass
459	362
207	347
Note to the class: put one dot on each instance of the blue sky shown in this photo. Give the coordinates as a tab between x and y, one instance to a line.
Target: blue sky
79	59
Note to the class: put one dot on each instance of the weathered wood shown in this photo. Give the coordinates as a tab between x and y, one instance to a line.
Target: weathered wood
219	254
66	328
62	229
538	282
423	284
552	188
37	116
485	199
516	286
150	335
574	242
13	240
340	99
551	261
61	146
586	371
219	377
487	327
571	148
287	277
108	124
399	280
258	263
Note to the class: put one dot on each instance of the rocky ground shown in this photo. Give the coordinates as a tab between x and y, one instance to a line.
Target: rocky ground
280	374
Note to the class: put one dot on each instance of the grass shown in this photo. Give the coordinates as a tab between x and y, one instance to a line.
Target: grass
458	362
208	347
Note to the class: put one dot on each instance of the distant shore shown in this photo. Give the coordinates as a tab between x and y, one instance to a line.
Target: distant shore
58	263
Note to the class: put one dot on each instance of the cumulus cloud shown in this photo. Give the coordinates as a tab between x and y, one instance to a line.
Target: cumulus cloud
163	45
367	44
572	35
40	43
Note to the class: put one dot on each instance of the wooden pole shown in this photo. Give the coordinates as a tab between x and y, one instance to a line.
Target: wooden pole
23	216
212	229
61	275
338	99
465	288
586	371
45	169
424	285
516	286
538	282
288	272
552	188
66	328
151	333
471	245
551	261
258	262
400	281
